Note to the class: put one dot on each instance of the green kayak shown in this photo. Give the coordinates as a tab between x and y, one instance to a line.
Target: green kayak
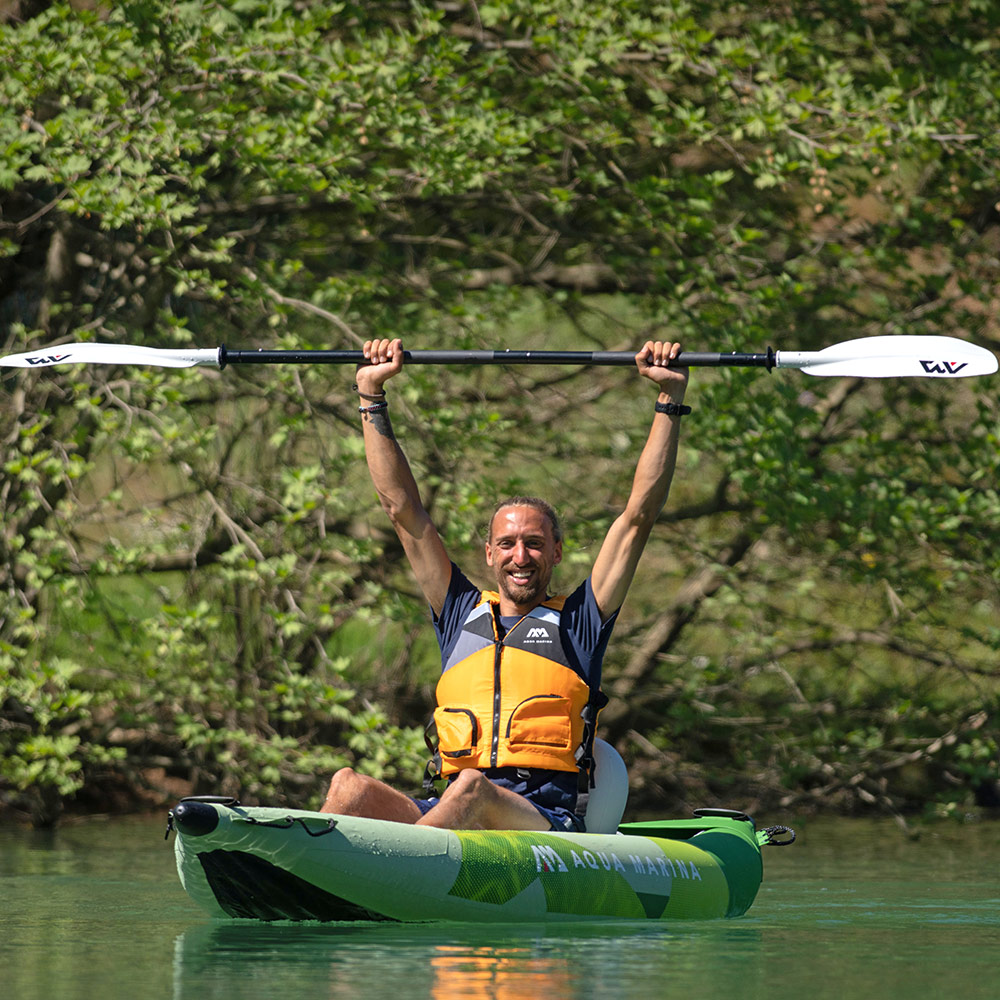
285	864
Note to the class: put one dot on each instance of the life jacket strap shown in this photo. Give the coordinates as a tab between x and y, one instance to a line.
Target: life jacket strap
585	752
432	771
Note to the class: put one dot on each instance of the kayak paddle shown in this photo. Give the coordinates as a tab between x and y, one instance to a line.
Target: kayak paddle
870	357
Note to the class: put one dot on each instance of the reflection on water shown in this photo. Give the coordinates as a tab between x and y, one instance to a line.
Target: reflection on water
512	973
440	962
853	910
355	961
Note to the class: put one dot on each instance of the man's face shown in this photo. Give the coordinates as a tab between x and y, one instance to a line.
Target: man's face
523	554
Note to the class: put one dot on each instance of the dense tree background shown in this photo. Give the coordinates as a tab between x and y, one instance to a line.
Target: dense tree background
197	591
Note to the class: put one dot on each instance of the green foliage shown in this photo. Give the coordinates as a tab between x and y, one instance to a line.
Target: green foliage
39	753
194	575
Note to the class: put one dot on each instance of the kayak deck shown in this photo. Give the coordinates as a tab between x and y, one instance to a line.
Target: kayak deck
284	864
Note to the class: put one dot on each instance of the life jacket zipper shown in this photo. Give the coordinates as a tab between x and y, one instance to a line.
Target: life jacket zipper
499	634
495	747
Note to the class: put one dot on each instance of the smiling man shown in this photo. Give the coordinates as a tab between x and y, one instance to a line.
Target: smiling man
524	547
519	691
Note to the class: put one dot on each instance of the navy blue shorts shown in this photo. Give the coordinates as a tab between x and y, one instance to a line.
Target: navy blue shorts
559	818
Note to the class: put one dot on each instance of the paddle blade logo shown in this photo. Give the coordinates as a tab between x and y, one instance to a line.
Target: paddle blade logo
943	367
47	359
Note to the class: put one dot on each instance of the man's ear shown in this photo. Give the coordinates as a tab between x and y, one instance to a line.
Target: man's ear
558	554
489	554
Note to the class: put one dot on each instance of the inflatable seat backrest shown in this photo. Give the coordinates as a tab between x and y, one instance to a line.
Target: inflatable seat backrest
606	802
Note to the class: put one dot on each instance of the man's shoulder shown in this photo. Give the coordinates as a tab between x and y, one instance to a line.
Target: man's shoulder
460	585
462	596
578	597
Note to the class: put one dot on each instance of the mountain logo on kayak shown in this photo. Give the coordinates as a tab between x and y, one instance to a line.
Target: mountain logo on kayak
547	859
538	634
943	367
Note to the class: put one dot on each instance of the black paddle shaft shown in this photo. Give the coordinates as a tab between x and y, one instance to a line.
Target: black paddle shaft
591	358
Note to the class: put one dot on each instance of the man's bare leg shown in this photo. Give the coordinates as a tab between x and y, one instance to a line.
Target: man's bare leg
473	802
353	794
470	802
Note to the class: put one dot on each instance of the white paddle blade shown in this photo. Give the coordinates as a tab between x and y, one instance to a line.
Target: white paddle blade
112	354
894	357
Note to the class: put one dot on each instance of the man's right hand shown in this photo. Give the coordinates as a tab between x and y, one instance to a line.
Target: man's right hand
385	359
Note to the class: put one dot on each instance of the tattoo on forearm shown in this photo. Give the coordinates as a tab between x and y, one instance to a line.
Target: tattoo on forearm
380	422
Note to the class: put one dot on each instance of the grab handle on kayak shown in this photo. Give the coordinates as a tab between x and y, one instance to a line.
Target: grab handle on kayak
289	821
722	814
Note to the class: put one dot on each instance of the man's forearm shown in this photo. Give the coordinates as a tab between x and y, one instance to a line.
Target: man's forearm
619	555
654	472
388	466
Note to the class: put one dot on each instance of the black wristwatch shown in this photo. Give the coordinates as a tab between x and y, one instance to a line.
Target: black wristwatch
672	409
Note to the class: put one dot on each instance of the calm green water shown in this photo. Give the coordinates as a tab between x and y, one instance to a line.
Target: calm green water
95	911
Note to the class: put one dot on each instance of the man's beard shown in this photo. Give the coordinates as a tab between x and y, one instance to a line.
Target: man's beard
534	590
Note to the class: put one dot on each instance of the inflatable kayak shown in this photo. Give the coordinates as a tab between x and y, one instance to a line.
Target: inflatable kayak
285	864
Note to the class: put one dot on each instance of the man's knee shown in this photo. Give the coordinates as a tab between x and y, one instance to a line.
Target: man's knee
344	778
347	788
471	786
473	802
469	781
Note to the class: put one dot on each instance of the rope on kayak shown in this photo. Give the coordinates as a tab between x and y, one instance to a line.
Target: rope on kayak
290	821
770	836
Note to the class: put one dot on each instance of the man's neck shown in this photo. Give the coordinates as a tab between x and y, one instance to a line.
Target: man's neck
508	609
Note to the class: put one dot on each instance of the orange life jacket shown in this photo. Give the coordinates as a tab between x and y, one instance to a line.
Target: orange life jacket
515	701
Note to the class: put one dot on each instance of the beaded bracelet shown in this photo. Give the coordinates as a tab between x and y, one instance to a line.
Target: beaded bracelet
672	409
375	407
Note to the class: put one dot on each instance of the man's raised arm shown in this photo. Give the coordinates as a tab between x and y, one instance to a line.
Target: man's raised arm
393	478
619	556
